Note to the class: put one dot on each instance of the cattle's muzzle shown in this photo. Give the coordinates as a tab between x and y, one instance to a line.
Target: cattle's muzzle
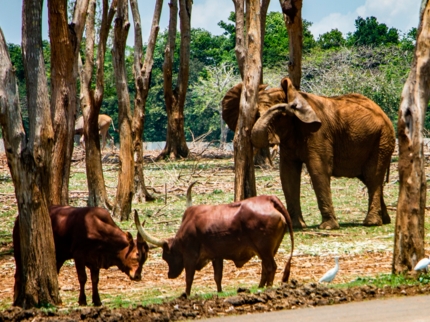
136	277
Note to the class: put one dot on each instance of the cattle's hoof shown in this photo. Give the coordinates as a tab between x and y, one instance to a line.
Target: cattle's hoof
97	303
183	296
329	224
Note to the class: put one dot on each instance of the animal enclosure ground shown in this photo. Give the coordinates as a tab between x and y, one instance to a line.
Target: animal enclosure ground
363	251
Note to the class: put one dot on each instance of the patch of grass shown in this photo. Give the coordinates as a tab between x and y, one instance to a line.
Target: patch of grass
386	280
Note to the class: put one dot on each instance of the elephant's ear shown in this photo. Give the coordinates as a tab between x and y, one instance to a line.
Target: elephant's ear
299	106
230	105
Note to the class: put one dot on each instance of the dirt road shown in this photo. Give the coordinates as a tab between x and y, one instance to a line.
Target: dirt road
398	309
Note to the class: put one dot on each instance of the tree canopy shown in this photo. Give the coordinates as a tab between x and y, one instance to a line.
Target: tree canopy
378	72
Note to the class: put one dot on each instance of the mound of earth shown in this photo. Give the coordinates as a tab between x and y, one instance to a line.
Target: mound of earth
288	296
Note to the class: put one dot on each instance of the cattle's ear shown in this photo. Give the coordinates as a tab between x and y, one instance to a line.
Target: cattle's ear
130	238
167	247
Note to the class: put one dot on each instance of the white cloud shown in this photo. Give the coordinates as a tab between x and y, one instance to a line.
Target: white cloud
399	14
206	14
342	22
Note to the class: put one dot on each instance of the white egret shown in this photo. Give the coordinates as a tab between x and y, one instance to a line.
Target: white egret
330	275
422	264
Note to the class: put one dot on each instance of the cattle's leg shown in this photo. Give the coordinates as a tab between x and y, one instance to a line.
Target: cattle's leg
218	266
268	270
190	269
95	285
82	277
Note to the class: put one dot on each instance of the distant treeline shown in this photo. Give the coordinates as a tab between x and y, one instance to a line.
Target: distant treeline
373	60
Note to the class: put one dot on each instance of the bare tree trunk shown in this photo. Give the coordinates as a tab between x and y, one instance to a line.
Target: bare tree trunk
124	195
142	76
244	186
176	145
36	281
292	10
240	48
91	102
262	156
65	41
409	233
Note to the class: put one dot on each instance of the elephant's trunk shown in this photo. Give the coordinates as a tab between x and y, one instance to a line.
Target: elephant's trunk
259	133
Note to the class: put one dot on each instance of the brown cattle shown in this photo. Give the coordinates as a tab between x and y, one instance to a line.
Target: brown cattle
236	231
91	238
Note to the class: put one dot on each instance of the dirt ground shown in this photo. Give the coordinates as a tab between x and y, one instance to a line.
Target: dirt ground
302	291
298	293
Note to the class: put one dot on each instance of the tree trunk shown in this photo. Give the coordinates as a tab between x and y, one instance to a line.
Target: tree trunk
91	102
142	76
292	10
243	151
176	145
240	47
65	41
36	281
262	156
409	233
124	195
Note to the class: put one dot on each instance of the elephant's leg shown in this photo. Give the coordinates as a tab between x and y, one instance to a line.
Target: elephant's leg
290	172
377	213
321	183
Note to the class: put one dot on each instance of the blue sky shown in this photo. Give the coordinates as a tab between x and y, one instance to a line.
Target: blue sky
325	15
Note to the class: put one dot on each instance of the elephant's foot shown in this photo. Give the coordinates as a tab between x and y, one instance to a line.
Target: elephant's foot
329	224
298	223
386	218
373	220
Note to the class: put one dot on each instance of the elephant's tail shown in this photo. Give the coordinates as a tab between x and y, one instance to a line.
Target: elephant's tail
281	208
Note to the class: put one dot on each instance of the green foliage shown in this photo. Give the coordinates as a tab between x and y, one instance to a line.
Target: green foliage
369	32
373	60
331	39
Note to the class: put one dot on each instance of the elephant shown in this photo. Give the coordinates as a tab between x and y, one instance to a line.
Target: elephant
343	136
104	123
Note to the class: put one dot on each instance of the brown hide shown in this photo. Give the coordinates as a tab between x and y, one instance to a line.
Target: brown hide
91	238
237	232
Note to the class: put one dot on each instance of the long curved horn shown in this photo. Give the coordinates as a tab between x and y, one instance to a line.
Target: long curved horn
259	133
189	200
145	235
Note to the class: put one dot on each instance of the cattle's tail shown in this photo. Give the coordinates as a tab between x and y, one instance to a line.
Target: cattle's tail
281	208
387	179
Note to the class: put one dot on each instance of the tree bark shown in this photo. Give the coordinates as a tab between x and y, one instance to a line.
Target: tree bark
36	281
91	101
176	145
65	43
142	76
243	151
292	10
262	156
409	232
240	47
124	195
